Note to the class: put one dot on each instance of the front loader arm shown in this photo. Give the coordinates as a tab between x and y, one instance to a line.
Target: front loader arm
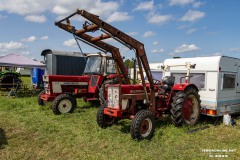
131	42
112	32
99	44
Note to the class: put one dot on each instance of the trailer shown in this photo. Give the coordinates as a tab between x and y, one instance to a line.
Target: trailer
217	78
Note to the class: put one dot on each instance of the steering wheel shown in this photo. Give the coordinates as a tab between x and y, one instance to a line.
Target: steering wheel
156	81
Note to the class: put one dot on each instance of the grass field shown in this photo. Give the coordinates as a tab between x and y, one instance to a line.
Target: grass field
28	131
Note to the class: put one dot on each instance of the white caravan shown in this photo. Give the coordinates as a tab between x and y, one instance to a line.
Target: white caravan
155	70
217	78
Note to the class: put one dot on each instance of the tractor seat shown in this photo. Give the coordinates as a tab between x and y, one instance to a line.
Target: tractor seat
168	82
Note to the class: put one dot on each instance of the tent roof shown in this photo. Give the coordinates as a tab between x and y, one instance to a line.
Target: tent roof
17	60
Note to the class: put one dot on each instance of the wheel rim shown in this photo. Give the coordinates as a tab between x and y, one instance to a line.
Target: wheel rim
190	108
146	127
65	106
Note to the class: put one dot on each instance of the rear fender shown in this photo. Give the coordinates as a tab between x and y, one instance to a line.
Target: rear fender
183	87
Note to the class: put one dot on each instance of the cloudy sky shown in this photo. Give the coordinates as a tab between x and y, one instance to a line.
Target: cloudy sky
167	28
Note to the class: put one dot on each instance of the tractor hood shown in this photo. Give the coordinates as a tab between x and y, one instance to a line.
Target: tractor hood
64	78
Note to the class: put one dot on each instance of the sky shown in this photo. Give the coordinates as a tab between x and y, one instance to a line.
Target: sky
167	28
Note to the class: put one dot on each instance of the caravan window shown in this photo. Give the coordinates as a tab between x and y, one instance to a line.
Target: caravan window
157	75
229	81
197	78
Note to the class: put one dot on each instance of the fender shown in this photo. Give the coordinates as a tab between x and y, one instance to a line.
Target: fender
183	86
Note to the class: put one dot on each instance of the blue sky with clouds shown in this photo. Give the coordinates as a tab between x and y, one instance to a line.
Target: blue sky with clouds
167	28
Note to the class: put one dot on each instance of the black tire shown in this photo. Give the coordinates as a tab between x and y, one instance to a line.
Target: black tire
64	103
9	79
143	125
39	100
102	93
94	103
186	107
104	120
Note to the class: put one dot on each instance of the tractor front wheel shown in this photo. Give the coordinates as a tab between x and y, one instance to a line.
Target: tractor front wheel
64	103
143	125
39	100
185	107
104	120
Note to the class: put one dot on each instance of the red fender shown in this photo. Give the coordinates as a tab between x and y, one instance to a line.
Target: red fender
183	86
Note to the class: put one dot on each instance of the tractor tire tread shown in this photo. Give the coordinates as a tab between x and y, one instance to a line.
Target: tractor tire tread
58	99
136	123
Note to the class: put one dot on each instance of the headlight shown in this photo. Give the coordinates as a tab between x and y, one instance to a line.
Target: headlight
109	97
113	97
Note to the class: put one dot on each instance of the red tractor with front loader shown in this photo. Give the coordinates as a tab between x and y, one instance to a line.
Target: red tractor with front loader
142	103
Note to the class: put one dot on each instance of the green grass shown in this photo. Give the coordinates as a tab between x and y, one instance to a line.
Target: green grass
28	131
26	79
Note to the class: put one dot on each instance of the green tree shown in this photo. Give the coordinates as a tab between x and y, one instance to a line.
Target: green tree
128	63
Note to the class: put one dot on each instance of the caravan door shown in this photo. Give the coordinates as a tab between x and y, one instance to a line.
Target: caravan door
238	80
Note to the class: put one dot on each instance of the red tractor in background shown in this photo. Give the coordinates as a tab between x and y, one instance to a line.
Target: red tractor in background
63	90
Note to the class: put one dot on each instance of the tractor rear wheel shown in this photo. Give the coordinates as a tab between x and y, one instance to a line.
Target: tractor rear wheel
143	125
64	103
185	107
39	100
104	120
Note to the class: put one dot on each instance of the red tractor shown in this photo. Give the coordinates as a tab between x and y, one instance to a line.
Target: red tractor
63	90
